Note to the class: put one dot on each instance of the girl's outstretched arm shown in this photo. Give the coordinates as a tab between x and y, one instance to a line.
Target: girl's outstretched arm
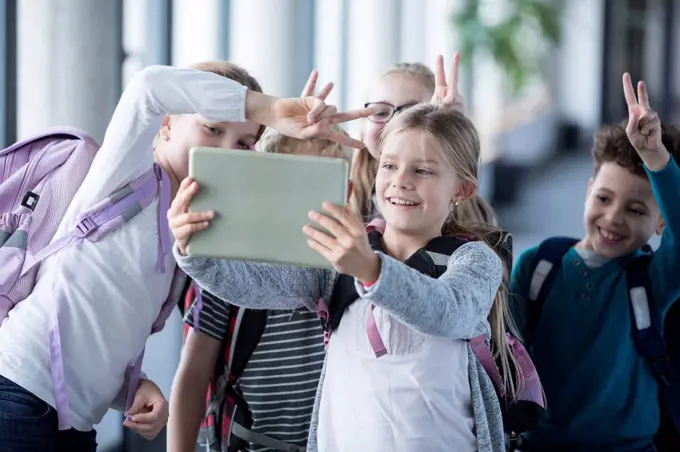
451	306
256	285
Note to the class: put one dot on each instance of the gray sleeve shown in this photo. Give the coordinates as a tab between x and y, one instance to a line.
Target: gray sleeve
213	318
452	305
256	285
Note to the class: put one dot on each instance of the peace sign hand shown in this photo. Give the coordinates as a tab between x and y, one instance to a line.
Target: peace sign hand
446	90
310	117
310	87
644	125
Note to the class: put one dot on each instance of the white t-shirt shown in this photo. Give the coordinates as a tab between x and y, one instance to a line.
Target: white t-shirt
415	398
110	292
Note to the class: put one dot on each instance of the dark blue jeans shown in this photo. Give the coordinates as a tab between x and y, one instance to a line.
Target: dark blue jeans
27	424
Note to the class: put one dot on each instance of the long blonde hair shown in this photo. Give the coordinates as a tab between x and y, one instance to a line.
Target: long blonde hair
365	167
459	142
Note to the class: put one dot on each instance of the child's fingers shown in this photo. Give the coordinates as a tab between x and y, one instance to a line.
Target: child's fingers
149	418
440	73
643	98
326	91
310	86
314	114
628	91
320	237
453	74
185	182
319	248
326	113
649	123
183	197
183	233
633	123
351	115
345	217
321	117
145	430
190	217
330	224
345	140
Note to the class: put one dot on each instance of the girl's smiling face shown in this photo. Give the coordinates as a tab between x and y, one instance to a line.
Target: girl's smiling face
416	186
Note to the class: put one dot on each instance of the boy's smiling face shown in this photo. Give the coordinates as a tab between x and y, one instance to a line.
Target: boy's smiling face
621	213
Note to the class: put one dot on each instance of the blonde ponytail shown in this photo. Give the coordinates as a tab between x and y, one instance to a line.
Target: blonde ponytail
500	320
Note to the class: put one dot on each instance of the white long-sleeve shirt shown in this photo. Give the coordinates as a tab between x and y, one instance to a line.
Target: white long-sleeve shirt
110	292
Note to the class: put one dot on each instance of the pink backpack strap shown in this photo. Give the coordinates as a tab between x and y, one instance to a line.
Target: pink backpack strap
377	224
374	337
481	349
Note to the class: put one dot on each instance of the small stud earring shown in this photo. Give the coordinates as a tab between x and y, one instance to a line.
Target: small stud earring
166	137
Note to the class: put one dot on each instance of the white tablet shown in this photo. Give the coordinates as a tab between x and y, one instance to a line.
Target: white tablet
261	202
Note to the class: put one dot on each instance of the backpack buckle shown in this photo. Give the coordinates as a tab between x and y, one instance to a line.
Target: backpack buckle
85	227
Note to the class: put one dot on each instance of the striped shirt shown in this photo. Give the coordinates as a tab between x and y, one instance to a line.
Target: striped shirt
280	380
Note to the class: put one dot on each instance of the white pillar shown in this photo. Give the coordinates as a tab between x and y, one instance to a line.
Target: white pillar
441	37
134	38
273	39
373	41
373	45
69	64
580	63
329	53
196	31
414	31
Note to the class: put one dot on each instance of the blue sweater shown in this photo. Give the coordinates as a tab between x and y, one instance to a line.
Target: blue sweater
600	391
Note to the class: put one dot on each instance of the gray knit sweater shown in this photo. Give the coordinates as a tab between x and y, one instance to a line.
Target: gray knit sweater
457	306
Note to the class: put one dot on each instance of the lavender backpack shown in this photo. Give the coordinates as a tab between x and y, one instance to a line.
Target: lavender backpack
38	179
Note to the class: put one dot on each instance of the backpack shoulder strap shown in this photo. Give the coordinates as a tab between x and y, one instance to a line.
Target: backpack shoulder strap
246	334
110	213
646	324
648	335
544	269
546	263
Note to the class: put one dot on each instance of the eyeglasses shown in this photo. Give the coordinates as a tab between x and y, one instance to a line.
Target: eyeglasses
384	111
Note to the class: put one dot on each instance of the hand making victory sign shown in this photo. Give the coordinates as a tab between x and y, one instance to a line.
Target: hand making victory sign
644	126
310	87
346	247
446	89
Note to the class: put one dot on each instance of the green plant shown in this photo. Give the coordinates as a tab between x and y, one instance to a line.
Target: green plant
516	41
